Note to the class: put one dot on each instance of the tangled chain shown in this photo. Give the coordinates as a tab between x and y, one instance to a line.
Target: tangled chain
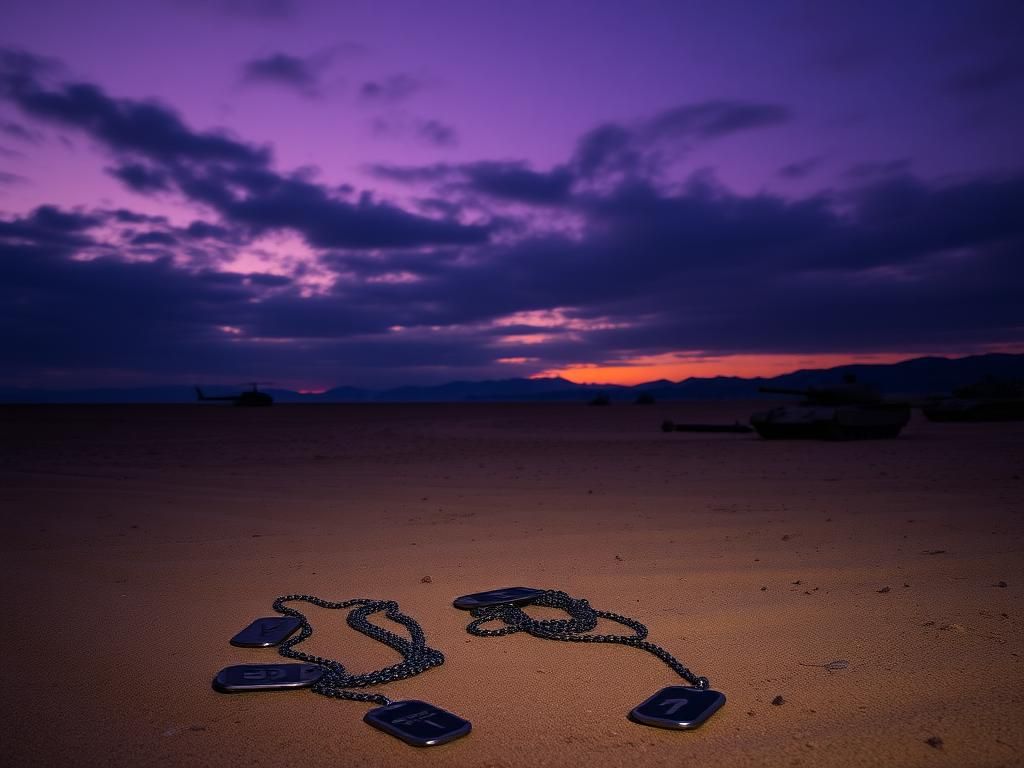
417	656
582	620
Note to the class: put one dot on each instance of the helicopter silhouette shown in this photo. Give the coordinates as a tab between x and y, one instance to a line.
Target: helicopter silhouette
250	397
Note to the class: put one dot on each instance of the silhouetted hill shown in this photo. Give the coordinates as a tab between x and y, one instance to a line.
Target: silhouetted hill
920	376
506	389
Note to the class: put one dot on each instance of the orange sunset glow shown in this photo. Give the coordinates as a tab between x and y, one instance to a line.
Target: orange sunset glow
674	367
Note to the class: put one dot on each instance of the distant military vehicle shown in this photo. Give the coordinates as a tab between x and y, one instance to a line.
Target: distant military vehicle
848	411
250	397
991	399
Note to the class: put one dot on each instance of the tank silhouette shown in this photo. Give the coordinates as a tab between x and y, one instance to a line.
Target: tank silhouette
250	397
848	411
990	399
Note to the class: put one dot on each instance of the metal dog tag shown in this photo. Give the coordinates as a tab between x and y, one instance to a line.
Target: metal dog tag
514	595
418	723
263	633
266	677
678	707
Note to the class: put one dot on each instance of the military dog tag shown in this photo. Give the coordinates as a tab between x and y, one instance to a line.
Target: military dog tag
514	595
418	723
678	707
266	677
264	633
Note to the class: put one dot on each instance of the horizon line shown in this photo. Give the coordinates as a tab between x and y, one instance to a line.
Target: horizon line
555	376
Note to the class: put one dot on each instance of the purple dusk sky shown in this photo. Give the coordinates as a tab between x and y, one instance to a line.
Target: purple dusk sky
377	193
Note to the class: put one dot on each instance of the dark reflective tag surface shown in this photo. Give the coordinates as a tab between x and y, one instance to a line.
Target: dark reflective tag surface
264	633
678	707
418	723
516	595
266	677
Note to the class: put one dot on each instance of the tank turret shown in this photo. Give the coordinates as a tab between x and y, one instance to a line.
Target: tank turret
849	392
845	411
990	399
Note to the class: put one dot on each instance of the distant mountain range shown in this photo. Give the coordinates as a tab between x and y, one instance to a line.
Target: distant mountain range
920	376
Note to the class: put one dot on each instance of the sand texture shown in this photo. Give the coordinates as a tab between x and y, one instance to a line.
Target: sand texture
137	540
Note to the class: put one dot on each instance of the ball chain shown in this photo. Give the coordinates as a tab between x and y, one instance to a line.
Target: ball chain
582	620
417	655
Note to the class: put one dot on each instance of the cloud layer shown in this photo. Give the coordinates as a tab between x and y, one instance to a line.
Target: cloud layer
603	258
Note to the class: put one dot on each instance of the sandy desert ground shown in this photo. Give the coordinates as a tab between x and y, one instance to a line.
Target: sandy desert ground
137	540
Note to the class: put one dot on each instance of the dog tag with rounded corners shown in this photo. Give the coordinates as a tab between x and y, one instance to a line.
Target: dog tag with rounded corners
514	595
418	723
266	677
266	632
679	707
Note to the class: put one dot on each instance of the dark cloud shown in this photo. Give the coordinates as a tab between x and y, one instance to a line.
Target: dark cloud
48	224
299	74
895	263
437	133
142	178
517	182
11	178
125	216
713	119
801	168
267	280
981	48
431	132
986	76
747	273
621	153
154	238
390	90
906	266
905	216
413	174
277	203
433	264
167	323
446	208
20	66
869	172
141	316
127	126
512	181
608	150
20	132
201	230
229	176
